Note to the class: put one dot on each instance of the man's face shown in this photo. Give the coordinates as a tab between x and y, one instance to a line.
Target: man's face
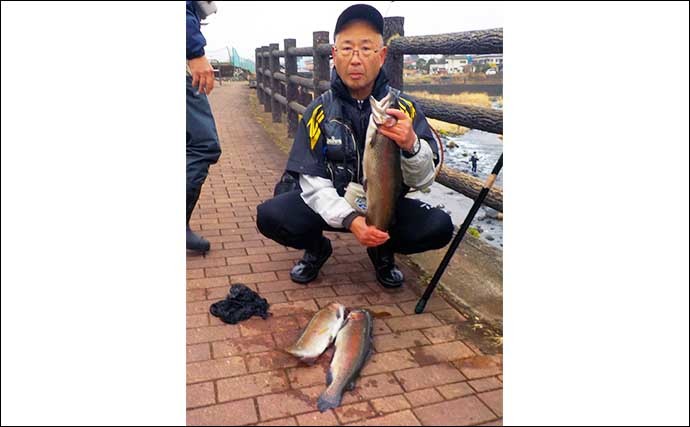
359	55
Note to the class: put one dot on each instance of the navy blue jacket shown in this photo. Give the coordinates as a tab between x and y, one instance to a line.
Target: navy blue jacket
306	155
195	40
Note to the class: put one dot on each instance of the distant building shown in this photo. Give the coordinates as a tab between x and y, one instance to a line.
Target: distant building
453	65
495	60
456	64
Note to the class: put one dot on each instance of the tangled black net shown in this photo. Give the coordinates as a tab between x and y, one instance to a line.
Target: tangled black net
240	304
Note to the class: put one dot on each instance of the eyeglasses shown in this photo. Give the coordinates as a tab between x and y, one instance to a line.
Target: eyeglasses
348	52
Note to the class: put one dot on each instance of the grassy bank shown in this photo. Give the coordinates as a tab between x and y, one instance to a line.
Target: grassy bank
474	78
277	131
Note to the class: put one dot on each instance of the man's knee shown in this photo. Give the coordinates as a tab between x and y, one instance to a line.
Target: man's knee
442	230
214	151
267	218
288	221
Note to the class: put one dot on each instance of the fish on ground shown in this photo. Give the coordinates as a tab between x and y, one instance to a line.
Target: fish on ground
319	333
352	349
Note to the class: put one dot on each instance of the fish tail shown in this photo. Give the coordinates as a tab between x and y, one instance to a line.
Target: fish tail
330	398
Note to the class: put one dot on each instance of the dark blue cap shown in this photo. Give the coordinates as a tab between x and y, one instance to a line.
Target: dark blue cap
362	12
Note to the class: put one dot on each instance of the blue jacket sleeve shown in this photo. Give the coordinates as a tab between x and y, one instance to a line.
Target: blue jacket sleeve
195	40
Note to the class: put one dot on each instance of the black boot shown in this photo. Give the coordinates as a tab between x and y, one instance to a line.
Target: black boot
194	241
308	267
388	275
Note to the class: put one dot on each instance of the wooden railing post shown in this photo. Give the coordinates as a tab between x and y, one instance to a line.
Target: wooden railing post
291	94
274	66
257	66
392	28
266	79
263	77
305	98
321	63
258	74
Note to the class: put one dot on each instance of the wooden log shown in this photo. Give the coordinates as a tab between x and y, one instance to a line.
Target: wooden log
305	97
302	81
257	65
298	108
274	65
324	48
321	62
393	67
469	42
321	49
470	187
280	99
481	118
266	79
260	76
301	51
291	95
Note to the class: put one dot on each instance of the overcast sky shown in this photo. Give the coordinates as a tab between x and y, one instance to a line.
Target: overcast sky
247	25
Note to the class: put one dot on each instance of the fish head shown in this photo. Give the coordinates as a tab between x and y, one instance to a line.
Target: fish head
359	314
362	317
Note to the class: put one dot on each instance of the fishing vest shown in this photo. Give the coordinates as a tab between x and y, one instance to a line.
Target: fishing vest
341	153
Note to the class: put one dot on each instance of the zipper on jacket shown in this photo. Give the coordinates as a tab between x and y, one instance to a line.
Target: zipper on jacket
354	141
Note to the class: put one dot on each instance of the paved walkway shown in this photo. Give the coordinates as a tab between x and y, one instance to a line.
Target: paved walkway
422	373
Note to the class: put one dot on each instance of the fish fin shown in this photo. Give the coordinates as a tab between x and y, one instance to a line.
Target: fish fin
329	399
329	377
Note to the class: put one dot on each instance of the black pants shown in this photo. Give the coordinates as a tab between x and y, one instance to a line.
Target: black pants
289	221
203	148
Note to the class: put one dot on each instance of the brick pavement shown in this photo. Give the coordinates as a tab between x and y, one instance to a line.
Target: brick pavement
421	373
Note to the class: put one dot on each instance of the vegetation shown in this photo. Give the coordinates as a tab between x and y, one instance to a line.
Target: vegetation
465	98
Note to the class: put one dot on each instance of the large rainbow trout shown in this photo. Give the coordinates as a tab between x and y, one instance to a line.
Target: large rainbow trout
352	348
383	176
319	333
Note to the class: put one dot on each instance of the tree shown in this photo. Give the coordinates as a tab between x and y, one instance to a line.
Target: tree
481	68
430	62
421	64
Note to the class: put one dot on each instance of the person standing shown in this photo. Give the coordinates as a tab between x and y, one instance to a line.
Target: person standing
203	148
